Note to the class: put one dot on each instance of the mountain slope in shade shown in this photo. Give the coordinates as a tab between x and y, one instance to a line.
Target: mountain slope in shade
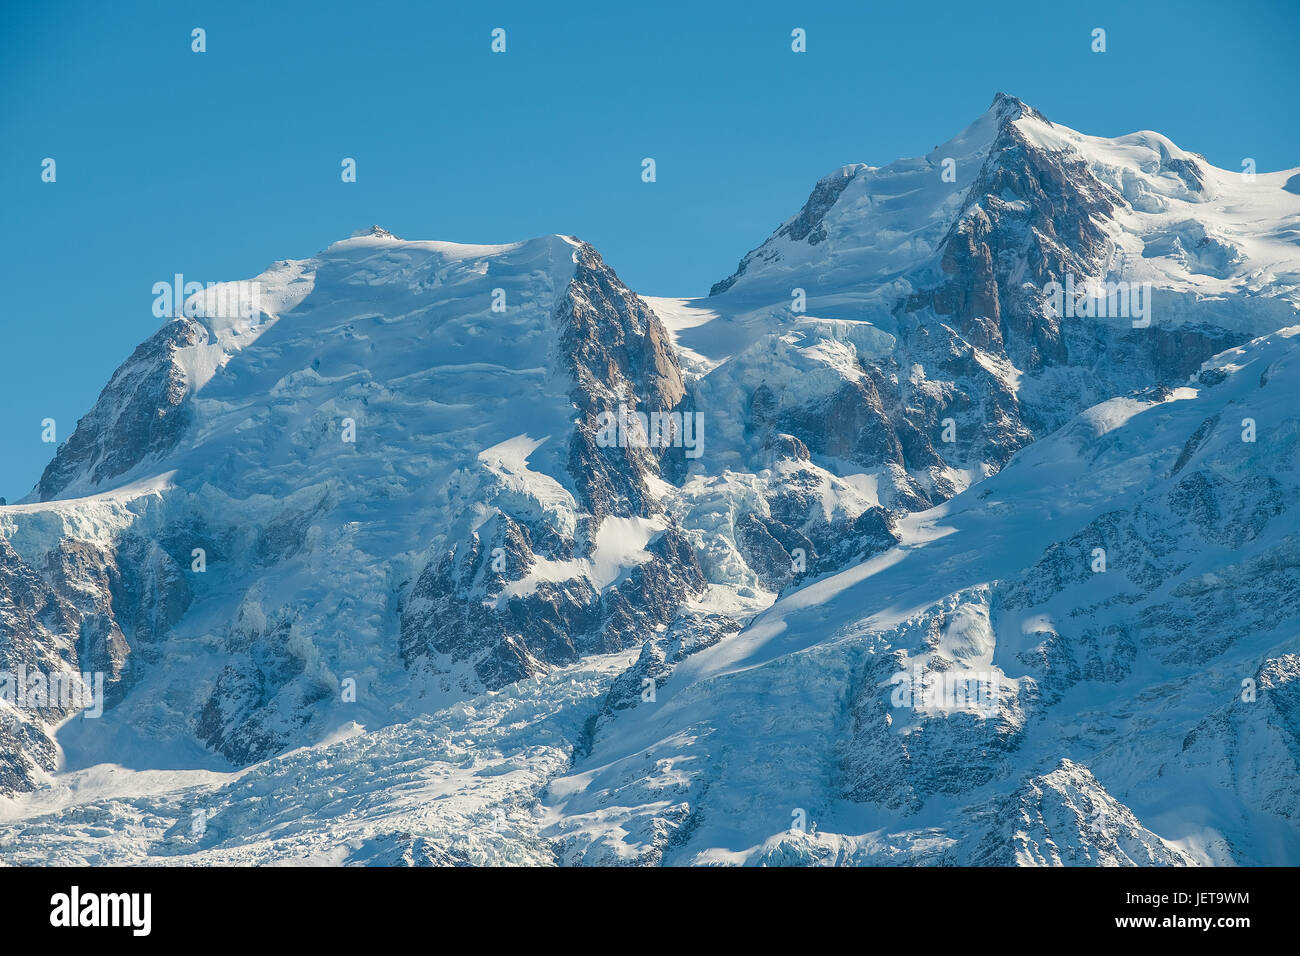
379	529
935	290
1134	673
1123	736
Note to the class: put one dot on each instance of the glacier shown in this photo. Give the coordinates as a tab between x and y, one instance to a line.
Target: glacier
367	586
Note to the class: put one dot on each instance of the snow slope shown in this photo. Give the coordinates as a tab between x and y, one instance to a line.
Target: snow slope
1107	671
367	585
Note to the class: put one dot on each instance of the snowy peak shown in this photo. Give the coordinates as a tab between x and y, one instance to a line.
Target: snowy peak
372	307
863	223
1006	108
398	527
141	413
403	442
881	231
376	231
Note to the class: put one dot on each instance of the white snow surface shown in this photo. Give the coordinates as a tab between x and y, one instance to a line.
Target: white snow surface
455	405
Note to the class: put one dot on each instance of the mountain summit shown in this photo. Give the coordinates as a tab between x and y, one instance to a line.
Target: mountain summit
551	572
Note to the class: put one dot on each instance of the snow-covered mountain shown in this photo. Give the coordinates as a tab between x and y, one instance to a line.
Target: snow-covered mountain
389	573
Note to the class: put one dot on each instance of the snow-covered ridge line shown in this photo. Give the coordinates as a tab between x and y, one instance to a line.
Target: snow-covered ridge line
369	581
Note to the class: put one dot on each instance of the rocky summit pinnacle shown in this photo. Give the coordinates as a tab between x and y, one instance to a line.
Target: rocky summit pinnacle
961	515
378	232
1009	108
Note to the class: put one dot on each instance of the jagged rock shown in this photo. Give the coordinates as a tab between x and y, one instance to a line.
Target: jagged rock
140	414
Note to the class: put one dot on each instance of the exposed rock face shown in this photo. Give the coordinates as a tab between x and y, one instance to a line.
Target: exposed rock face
795	538
805	227
902	767
1029	212
468	605
980	366
83	614
1251	745
617	352
392	516
1126	658
689	634
406	849
37	634
1066	818
1061	818
140	413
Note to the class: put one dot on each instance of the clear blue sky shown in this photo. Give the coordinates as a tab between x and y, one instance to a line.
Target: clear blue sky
216	164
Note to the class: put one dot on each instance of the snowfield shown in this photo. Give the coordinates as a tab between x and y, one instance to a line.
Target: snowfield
368	588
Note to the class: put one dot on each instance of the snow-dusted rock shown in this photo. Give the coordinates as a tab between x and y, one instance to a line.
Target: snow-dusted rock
367	582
